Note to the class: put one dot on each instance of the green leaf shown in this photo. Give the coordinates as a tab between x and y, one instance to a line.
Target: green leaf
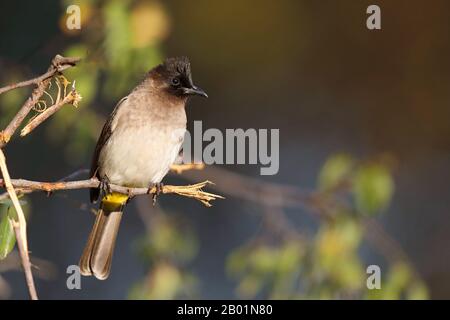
7	237
373	188
335	169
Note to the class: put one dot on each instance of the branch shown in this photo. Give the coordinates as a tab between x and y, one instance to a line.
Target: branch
191	191
20	228
59	63
72	98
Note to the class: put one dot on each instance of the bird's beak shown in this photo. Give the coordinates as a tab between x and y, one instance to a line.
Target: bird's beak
195	91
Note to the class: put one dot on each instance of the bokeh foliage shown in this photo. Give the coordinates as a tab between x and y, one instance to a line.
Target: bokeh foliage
327	262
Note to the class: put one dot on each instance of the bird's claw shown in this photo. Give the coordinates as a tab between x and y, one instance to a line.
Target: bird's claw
105	187
159	187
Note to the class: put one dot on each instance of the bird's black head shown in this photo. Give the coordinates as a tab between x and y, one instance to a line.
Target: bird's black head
175	75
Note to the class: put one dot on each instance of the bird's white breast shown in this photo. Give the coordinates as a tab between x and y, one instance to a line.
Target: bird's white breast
139	157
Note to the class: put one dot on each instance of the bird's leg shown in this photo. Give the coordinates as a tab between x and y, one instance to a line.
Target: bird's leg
159	187
104	186
129	196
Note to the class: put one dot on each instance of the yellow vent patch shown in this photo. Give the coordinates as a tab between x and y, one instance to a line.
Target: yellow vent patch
115	198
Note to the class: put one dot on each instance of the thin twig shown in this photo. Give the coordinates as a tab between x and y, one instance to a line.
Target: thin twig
59	63
20	228
6	134
72	98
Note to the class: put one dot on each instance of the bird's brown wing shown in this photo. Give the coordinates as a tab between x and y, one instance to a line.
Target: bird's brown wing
102	140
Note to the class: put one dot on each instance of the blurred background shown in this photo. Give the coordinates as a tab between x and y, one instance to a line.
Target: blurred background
364	148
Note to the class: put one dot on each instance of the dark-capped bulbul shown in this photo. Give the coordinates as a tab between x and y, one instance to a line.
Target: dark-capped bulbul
139	142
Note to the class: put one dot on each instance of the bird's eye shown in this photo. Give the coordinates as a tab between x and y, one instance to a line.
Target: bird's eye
175	81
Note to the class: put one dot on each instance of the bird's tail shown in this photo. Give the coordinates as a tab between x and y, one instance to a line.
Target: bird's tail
97	255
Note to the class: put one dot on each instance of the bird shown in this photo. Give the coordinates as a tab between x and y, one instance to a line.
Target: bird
139	142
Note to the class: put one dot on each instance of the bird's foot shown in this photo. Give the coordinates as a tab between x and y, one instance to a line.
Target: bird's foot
159	187
105	187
